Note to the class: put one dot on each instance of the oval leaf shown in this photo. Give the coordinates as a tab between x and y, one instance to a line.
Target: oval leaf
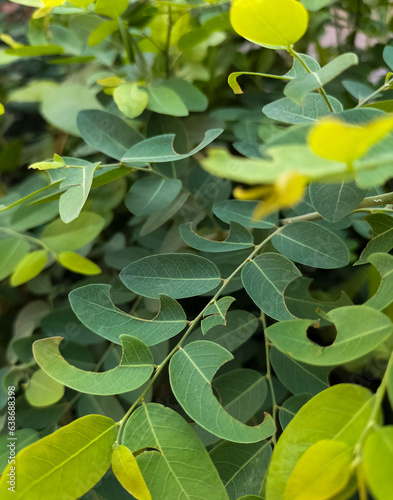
148	196
378	462
29	267
77	263
126	469
43	390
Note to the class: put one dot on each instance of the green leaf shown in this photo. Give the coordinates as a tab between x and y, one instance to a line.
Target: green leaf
62	104
360	329
191	370
135	368
78	264
107	133
177	275
126	469
111	8
240	326
358	90
299	377
315	5
386	106
381	241
43	390
335	201
298	88
321	472
102	31
12	251
71	461
351	405
314	107
148	196
378	462
239	238
241	392
93	306
265	278
156	220
77	179
311	244
23	438
61	237
383	297
242	467
161	149
215	314
35	51
188	93
241	211
166	101
131	99
301	304
388	56
29	267
172	455
290	407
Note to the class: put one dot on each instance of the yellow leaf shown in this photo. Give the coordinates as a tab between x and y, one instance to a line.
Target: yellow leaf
47	165
287	191
321	472
110	81
10	41
336	140
53	3
2	110
29	267
126	469
81	3
78	264
39	13
275	23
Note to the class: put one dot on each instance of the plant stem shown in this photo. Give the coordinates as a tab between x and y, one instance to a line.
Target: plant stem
191	326
269	374
25	237
321	90
369	202
382	88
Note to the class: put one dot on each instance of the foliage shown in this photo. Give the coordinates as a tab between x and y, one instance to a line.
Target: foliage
195	249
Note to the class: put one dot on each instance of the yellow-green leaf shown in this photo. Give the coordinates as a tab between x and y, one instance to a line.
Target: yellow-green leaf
43	390
131	99
321	472
2	110
65	464
378	462
81	3
126	469
53	3
29	267
111	8
340	141
47	165
78	264
278	23
102	31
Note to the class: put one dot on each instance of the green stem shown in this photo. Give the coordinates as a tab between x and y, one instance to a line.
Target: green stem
321	90
25	237
269	374
190	328
382	88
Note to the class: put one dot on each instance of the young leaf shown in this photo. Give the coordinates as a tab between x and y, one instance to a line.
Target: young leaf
107	133
335	201
265	278
277	24
314	106
172	454
313	245
381	241
29	267
299	377
126	469
135	368
216	314
160	149
69	461
93	306
102	31
12	251
241	211
178	275
378	462
298	88
61	237
321	472
352	406
191	370
383	297
360	329
78	264
238	463
148	196
131	99
43	390
111	8
239	238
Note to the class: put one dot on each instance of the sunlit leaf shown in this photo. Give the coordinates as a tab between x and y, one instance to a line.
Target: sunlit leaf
126	469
